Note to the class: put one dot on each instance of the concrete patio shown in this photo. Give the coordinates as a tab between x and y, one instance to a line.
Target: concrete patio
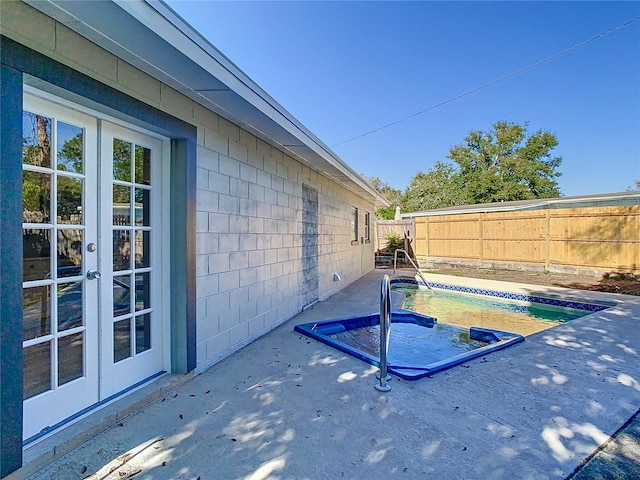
289	407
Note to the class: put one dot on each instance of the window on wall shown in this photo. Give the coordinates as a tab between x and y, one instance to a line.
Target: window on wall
354	225
367	227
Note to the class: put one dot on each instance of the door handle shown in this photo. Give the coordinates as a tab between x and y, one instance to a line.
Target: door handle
93	274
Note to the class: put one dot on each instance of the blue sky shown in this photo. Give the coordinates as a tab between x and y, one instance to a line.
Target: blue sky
345	68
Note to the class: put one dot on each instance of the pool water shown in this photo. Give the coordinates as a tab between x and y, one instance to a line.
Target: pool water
412	345
464	310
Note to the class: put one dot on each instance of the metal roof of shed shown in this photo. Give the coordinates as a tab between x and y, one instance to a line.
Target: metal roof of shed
149	35
596	200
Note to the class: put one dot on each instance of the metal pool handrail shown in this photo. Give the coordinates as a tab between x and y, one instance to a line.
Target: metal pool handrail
385	331
395	260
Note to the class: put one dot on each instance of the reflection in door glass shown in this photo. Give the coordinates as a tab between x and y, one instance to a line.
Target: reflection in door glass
143	165
121	250
69	305
121	205
70	358
36	244
143	207
121	295
36	140
143	245
143	300
69	200
70	148
36	312
69	253
143	333
36	369
36	197
121	160
121	340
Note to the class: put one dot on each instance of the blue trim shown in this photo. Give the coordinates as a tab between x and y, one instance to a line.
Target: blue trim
84	411
321	331
556	302
10	269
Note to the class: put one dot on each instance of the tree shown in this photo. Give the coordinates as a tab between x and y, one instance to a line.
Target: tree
394	196
437	188
504	164
636	188
501	165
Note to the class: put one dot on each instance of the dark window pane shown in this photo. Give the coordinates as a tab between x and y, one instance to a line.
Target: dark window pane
143	165
36	197
69	253
70	358
121	295
70	148
69	305
143	207
143	332
36	140
36	369
121	250
69	200
143	245
121	160
36	312
36	244
121	205
143	300
121	340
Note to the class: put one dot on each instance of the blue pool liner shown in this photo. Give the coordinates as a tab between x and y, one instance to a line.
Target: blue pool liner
495	340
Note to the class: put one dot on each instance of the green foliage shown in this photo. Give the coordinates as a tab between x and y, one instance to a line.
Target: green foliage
394	241
393	195
500	165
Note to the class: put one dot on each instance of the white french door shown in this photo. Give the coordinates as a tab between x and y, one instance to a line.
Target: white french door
131	333
91	234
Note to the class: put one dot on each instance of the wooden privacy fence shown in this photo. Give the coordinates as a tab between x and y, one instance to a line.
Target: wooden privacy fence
571	240
385	227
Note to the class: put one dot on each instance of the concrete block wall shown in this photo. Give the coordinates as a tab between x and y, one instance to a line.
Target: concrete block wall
249	200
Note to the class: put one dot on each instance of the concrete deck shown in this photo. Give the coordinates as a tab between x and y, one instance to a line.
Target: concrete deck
289	407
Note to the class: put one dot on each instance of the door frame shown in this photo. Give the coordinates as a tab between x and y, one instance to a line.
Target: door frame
22	66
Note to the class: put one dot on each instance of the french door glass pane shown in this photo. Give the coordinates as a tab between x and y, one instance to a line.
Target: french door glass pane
36	254
121	250
143	165
70	141
121	340
143	332
36	197
70	305
143	300
70	358
70	253
36	140
121	295
122	160
143	207
36	369
69	200
121	205
36	312
143	246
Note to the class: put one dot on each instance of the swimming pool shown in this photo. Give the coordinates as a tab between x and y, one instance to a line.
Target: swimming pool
522	314
436	331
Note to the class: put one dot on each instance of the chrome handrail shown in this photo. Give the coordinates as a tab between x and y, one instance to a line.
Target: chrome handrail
385	332
395	260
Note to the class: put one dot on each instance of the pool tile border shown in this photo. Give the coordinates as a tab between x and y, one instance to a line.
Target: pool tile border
556	302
